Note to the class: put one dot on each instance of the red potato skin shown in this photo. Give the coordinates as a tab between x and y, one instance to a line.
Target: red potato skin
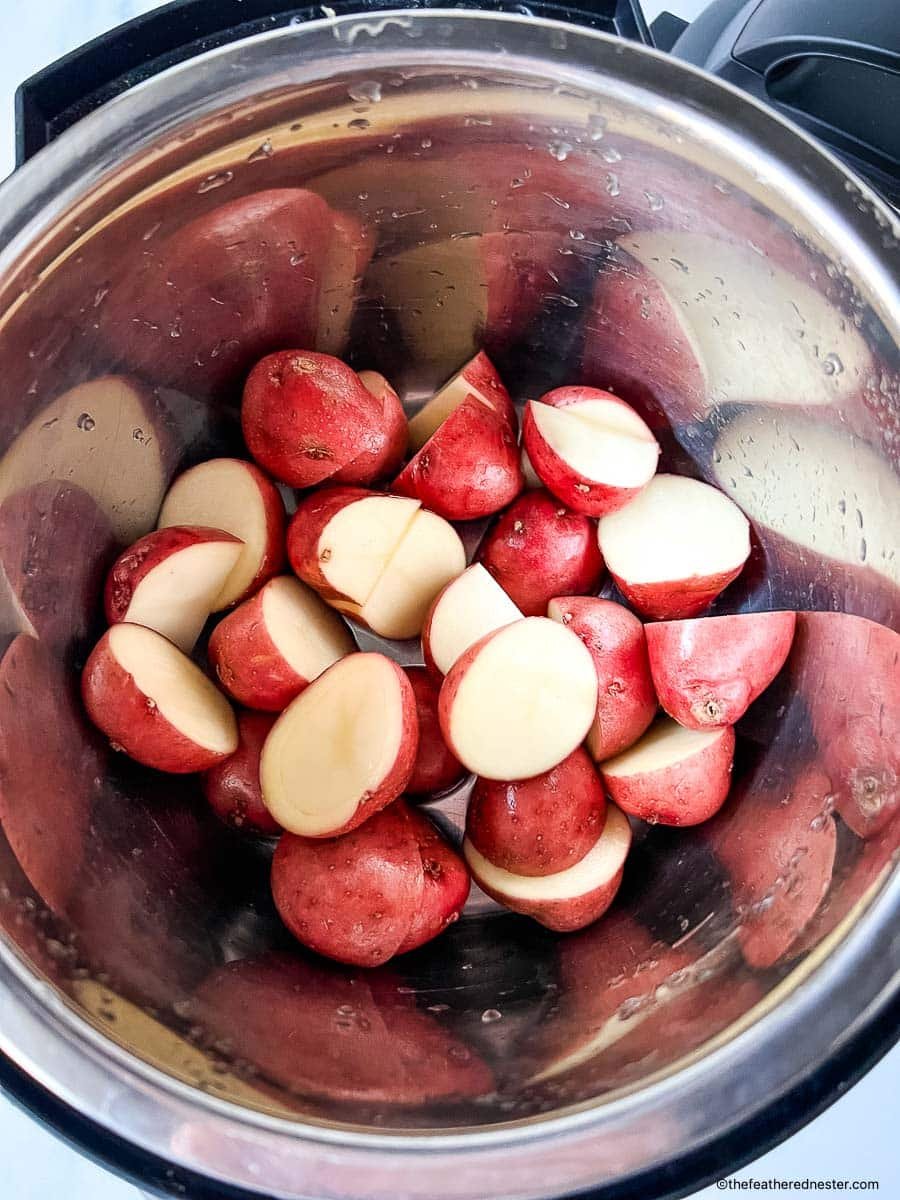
538	549
847	669
688	794
445	883
148	552
579	493
49	760
55	545
248	664
232	787
436	768
307	415
307	526
542	825
469	468
708	672
777	842
677	599
123	714
387	460
626	702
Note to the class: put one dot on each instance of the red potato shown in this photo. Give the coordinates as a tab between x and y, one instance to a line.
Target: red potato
152	702
847	670
538	549
306	416
469	467
169	580
469	607
776	839
675	547
568	899
55	546
232	787
270	647
673	775
76	437
388	457
478	378
381	559
329	1053
230	494
626	701
590	449
343	749
366	896
436	768
519	701
49	761
708	671
538	826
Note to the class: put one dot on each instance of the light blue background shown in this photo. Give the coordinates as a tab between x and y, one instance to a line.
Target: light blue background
856	1138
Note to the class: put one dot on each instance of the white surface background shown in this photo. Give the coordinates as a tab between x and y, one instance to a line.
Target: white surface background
855	1139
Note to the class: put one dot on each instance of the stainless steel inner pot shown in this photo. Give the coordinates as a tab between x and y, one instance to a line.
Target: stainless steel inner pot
403	189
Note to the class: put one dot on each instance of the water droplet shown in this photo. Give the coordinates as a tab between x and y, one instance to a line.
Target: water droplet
832	365
366	91
490	1015
655	201
683	267
86	422
211	182
297	258
438	1008
630	1007
426	143
610	154
645	308
459	1053
558	39
612	184
359	123
596	124
559	150
265	150
576	235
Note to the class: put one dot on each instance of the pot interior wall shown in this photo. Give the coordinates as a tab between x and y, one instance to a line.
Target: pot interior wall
405	219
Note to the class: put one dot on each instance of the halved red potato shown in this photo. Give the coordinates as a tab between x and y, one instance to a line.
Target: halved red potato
520	700
675	546
387	455
232	787
379	558
469	465
343	749
539	549
478	378
568	899
542	825
306	416
55	546
469	607
626	701
776	839
847	670
673	775
590	448
152	702
230	494
437	767
76	438
270	647
169	580
709	670
365	896
50	762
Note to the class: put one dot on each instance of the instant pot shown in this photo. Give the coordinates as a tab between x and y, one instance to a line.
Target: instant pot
484	174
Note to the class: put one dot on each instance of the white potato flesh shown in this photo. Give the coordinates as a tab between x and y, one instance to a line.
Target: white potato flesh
599	866
304	630
525	701
177	595
337	741
357	543
429	555
600	440
676	528
181	692
433	414
473	606
222	494
665	744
